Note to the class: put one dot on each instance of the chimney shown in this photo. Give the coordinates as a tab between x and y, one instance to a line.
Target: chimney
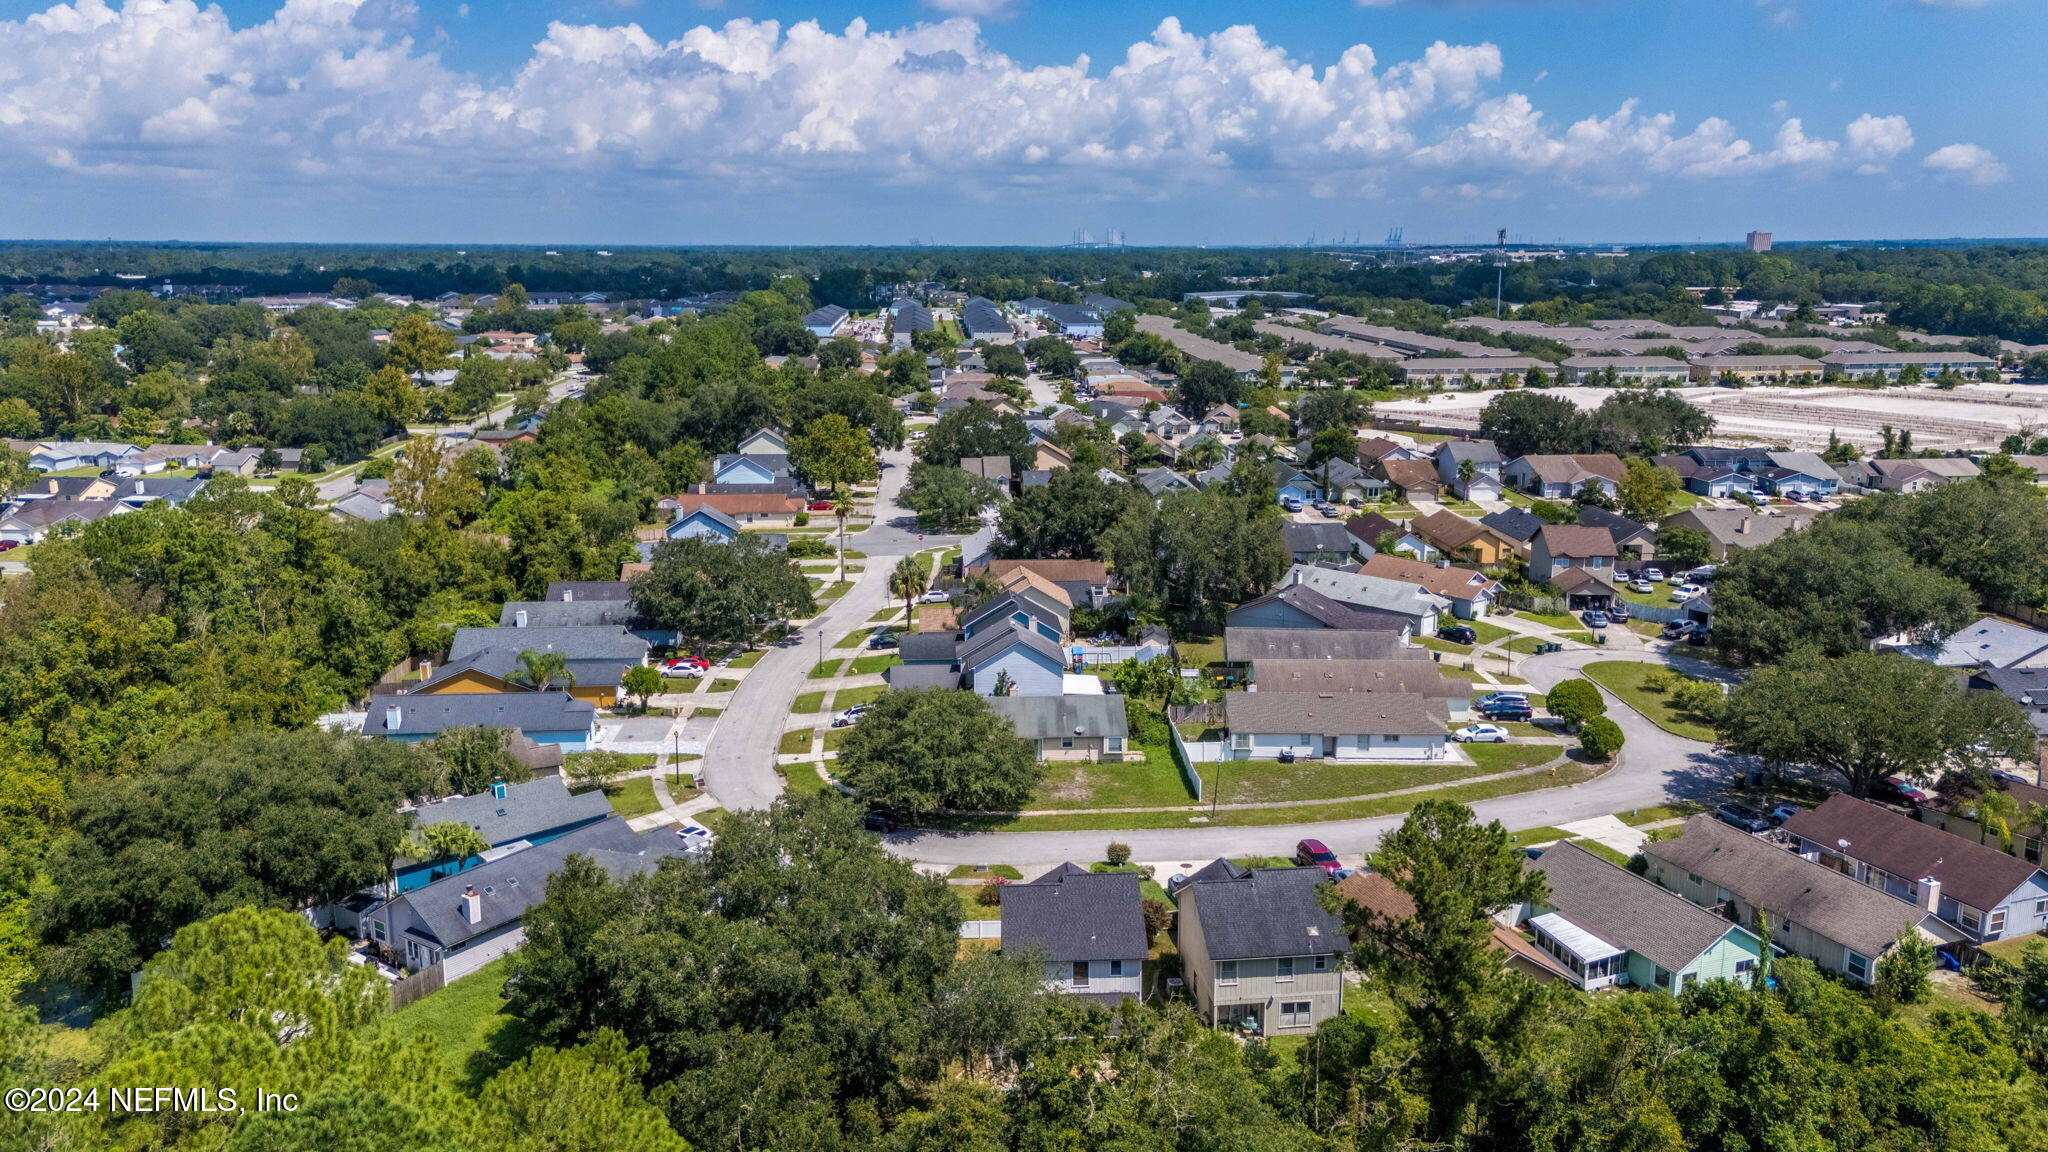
138	487
472	904
519	618
1930	894
498	789
568	595
1742	529
393	717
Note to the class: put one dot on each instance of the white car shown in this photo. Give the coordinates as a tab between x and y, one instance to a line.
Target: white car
851	716
1481	734
1643	586
696	838
1686	591
935	597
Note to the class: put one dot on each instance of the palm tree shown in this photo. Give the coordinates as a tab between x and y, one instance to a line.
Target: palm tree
1467	470
907	581
842	508
543	670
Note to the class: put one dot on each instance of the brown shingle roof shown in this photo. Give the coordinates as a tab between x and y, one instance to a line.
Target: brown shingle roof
1411	473
735	504
1448	530
1371	526
1093	571
1455	583
1576	541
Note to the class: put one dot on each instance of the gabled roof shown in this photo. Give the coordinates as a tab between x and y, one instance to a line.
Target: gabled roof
1621	528
1588	581
1517	524
989	643
1976	874
1371	593
1477	451
1788	886
1266	912
1390	713
1325	611
708	512
1246	644
1316	537
589	590
1072	914
433	713
1575	469
1993	643
1448	530
1057	571
1449	582
564	613
1390	675
1370	526
1411	473
1576	541
1054	717
526	809
1626	910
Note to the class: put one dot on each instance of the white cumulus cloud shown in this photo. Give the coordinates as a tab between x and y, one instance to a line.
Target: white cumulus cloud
1968	162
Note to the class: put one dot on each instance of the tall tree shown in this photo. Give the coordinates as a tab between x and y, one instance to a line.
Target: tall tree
927	750
1524	423
720	593
834	454
1833	588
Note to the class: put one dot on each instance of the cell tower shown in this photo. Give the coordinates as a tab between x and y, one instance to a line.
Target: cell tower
1500	271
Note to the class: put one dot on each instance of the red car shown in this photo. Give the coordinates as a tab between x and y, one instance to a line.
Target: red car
697	662
820	506
1315	854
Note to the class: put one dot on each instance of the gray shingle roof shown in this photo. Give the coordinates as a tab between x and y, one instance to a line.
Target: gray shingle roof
1327	612
1517	524
511	884
1052	717
1074	914
588	642
1626	910
589	590
1976	874
1244	644
1389	713
907	676
520	711
926	647
1325	537
1787	886
1269	912
526	809
564	613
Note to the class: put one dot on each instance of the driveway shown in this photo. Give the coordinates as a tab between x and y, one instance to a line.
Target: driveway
1655	767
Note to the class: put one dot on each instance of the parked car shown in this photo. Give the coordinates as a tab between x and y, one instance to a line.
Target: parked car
1481	734
935	597
1290	503
1315	854
877	820
1796	497
696	839
1457	634
1742	816
1619	613
1329	510
851	716
1508	710
1680	629
1782	813
9	545
1755	499
1703	574
1686	591
1899	790
688	668
1594	618
882	639
1653	575
819	506
1642	587
1519	699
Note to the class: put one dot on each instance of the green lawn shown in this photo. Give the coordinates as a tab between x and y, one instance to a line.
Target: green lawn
1493	758
1153	782
854	639
795	742
1552	619
886	615
748	659
836	590
869	665
705	713
825	671
634	760
1532	836
1444	646
1267	782
808	703
971	872
1637	817
722	685
469	1024
971	907
1200	653
634	797
1625	679
803	779
834	737
848	697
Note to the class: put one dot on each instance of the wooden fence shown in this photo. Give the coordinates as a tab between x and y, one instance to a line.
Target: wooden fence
420	983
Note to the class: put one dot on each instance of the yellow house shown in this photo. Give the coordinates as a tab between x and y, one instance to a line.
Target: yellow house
1453	535
487	660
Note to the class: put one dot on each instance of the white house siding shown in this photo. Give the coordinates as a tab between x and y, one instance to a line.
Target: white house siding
1361	748
482	951
1060	977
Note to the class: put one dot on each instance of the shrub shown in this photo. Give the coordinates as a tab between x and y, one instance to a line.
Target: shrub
802	518
1118	854
1659	680
1600	738
1575	702
990	894
1701	698
1158	917
809	548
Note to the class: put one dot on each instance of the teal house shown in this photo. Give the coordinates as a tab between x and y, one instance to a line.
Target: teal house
1609	927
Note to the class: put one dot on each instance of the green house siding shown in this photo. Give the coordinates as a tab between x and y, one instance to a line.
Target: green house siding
1719	962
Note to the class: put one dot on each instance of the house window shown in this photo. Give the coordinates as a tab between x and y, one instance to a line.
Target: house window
1241	740
1744	967
1857	964
1080	974
1226	972
377	928
1997	925
2031	849
1283	969
1663	978
1116	967
1295	1014
1972	920
1693	878
1688	980
1066	741
1321	963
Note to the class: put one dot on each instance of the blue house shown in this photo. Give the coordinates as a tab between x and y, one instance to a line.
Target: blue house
1720	482
825	322
765	442
703	520
1019	633
764	468
542	717
1802	472
1289	481
507	816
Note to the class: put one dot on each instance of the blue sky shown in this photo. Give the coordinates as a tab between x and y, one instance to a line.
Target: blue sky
1018	121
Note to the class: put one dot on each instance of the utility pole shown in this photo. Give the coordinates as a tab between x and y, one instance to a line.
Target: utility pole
1500	272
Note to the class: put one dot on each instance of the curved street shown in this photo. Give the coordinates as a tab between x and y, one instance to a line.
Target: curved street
740	757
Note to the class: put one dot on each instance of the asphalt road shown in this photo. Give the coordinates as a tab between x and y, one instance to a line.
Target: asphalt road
1655	767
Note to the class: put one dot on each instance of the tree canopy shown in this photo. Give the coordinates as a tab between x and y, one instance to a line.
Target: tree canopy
925	750
716	592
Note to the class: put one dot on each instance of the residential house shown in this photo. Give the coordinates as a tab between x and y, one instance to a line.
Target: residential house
32	521
1610	927
1470	592
755	507
826	321
1290	482
1258	949
2027	829
1728	529
1220	419
1087	927
1416	608
1816	912
542	717
65	455
1085	582
1632	540
249	461
1068	727
1414	479
1379	449
73	488
1312	542
1453	455
1158	482
1977	888
1563	477
1381	896
1015	639
1075	322
1370	528
1473	540
765	442
1301	606
1246	645
1517	524
464	922
568	612
507	816
703	522
1047	456
1321	676
486	660
174	491
1804	473
995	469
1365	727
758	469
568	590
1561	546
